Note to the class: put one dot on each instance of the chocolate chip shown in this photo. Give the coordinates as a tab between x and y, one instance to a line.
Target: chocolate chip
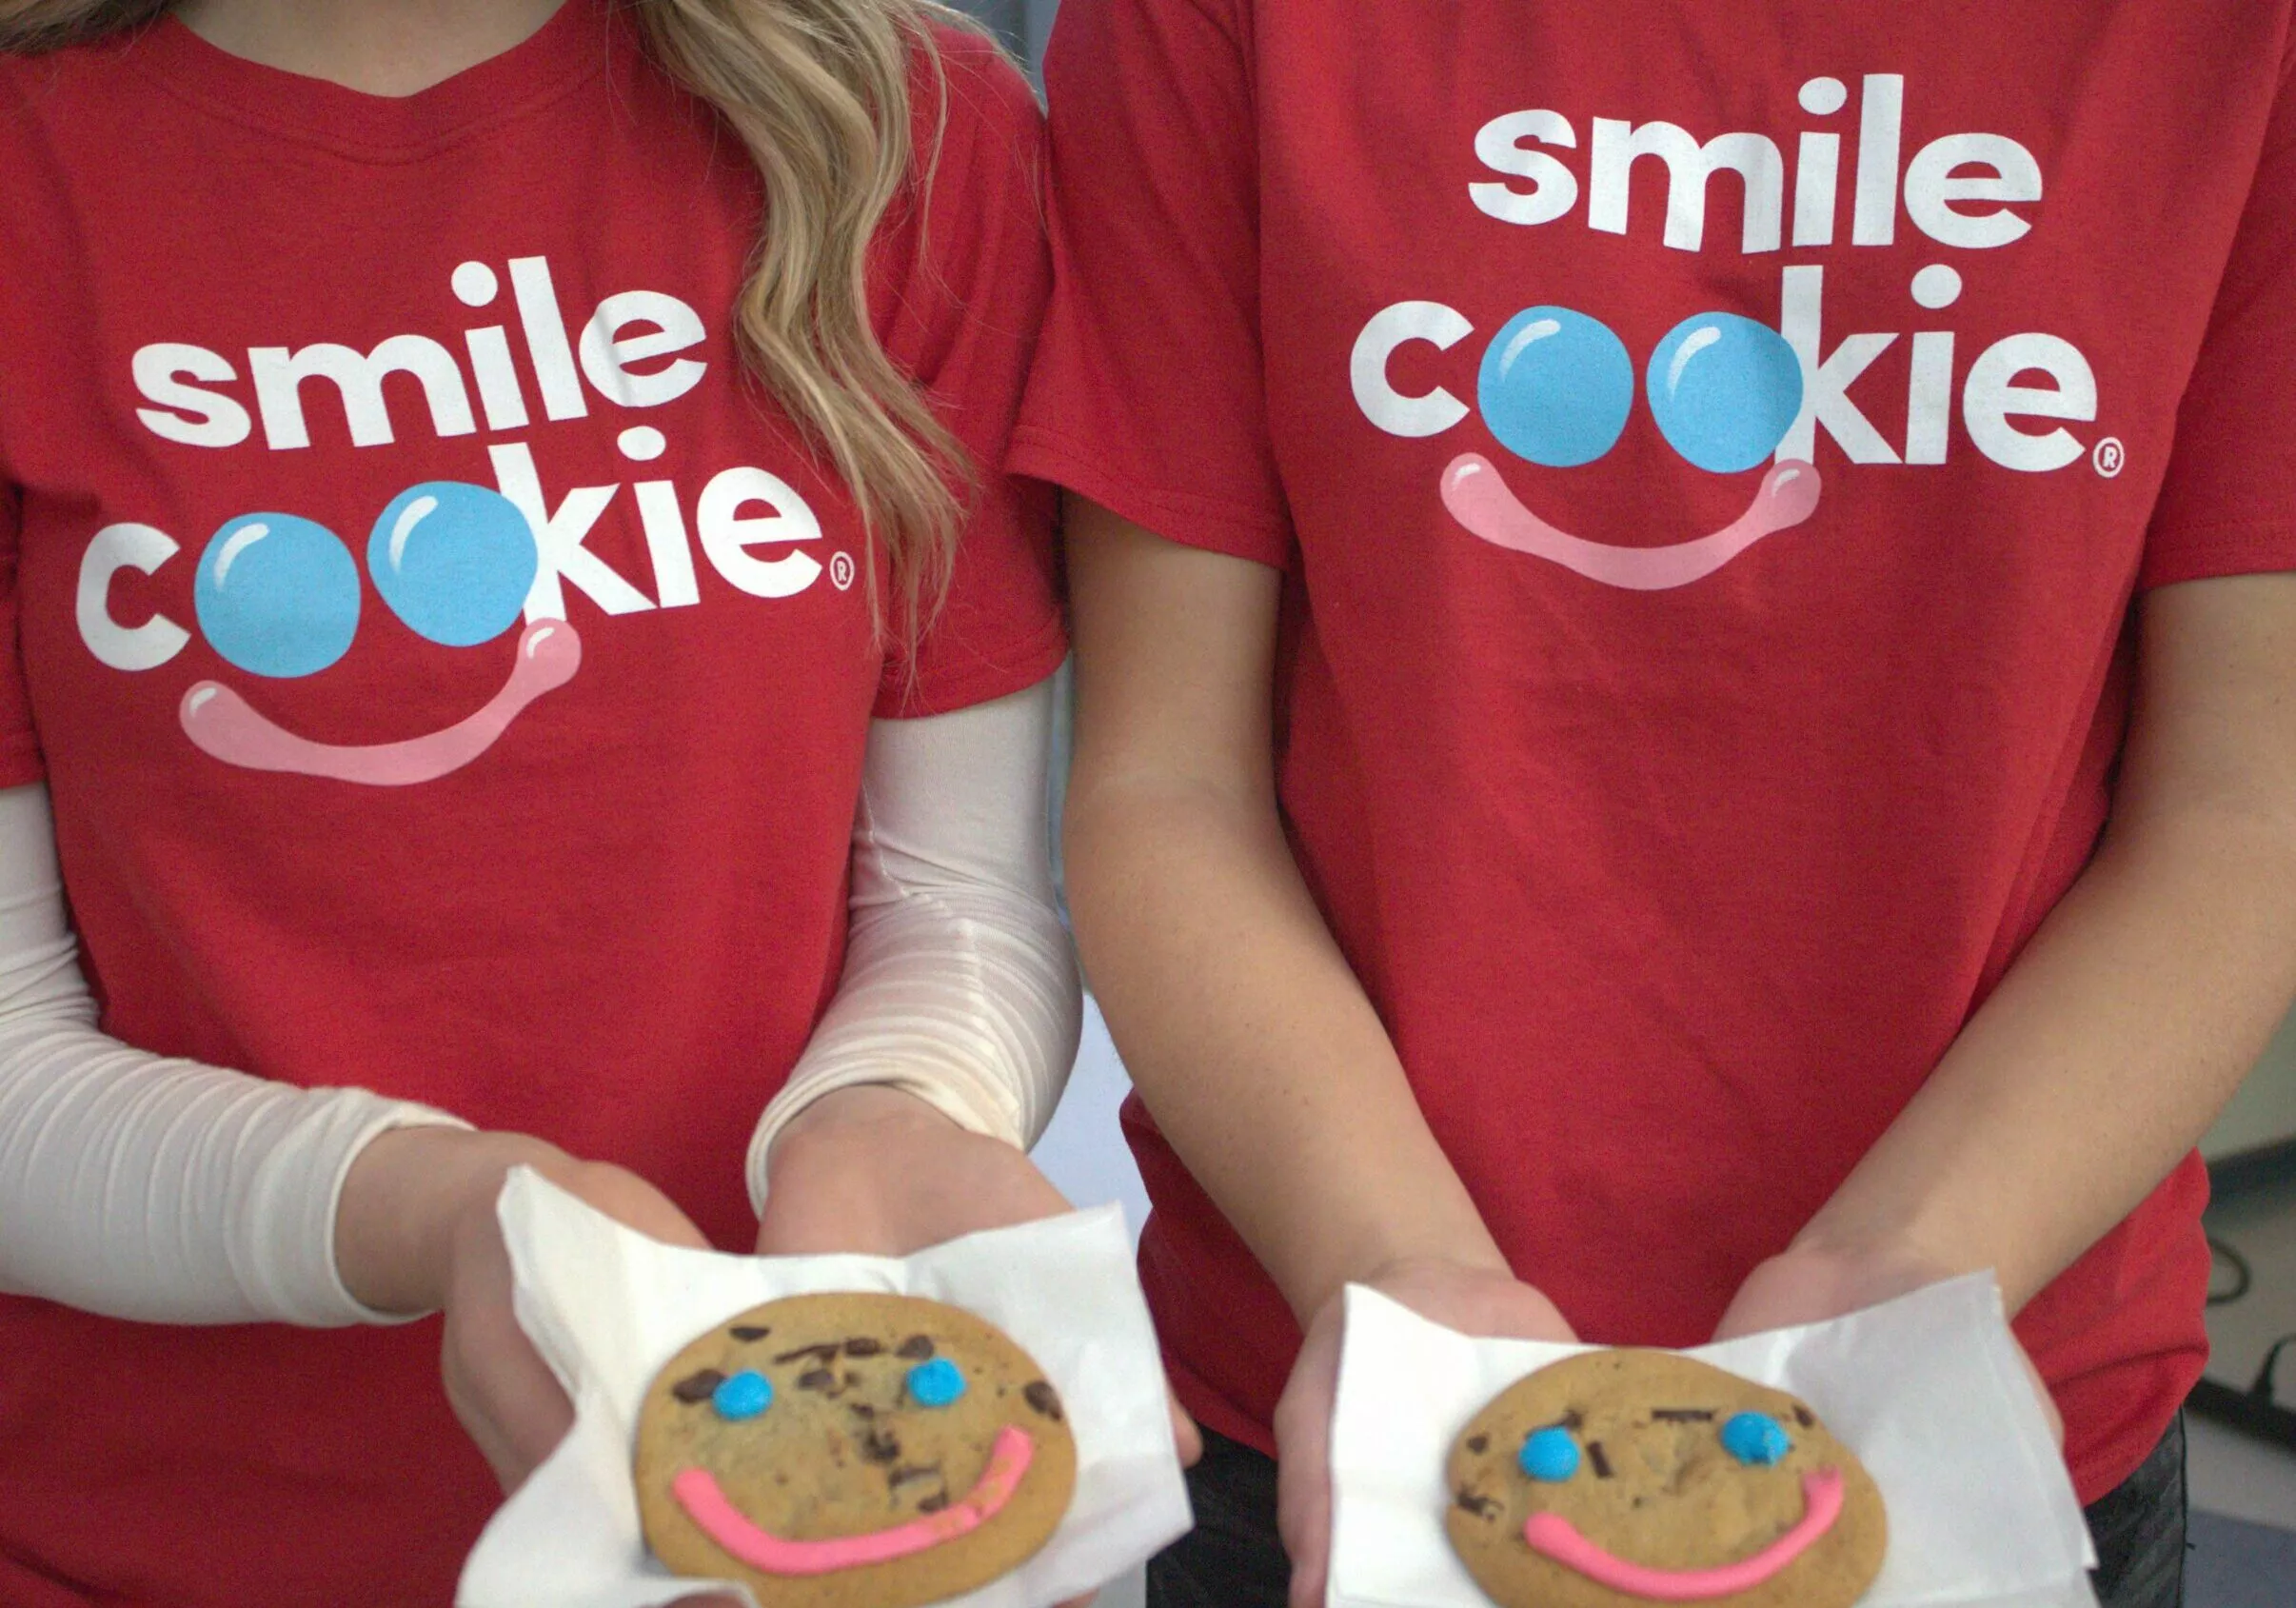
1574	1420
1482	1507
816	1379
901	1476
1801	1416
825	1353
698	1387
916	1348
1682	1415
1042	1398
862	1345
1596	1457
748	1333
1478	1445
933	1503
861	1409
881	1446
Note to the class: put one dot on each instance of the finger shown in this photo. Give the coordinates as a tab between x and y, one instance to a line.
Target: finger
502	1391
508	1471
515	1422
1303	1514
1186	1438
1303	1475
2049	1402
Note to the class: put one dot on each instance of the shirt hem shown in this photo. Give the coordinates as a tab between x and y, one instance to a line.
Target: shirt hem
21	762
1038	657
1213	1411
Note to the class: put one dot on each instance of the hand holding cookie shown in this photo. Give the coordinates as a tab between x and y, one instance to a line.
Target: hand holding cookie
1811	1282
1475	1300
877	1170
416	1230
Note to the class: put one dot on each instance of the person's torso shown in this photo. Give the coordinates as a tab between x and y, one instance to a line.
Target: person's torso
452	678
1720	444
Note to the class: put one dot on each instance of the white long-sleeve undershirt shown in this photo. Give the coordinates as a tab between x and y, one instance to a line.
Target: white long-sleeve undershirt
164	1190
959	982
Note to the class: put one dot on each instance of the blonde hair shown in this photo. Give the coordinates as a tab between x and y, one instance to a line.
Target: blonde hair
819	92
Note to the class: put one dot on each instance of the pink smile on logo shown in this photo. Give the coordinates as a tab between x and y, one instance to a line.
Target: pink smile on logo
222	724
1480	500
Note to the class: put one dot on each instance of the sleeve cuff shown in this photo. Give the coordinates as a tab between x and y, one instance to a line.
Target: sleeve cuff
2205	552
375	1118
1193	520
786	1106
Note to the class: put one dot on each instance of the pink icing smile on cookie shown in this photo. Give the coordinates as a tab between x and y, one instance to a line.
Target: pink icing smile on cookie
698	1493
1480	500
1558	1537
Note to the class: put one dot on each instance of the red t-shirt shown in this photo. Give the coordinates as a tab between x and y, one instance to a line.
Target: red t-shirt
283	368
1713	451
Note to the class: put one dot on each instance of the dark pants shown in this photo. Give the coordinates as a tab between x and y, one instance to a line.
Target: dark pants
1232	1560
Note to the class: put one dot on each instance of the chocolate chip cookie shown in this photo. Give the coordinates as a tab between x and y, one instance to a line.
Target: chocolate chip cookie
1615	1478
852	1451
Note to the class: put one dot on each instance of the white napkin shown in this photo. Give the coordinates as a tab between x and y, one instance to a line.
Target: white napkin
608	1308
1926	1390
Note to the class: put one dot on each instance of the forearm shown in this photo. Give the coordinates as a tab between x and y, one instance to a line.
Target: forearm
148	1187
1251	1039
2099	1060
959	984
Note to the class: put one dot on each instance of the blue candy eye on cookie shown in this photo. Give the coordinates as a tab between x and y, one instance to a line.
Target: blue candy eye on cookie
937	1383
744	1396
1549	1454
1756	1439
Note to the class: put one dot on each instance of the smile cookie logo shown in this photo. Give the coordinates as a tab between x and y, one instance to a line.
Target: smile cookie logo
1556	387
279	596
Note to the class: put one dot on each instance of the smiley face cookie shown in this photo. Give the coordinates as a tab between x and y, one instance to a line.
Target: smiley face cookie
852	1451
1615	1478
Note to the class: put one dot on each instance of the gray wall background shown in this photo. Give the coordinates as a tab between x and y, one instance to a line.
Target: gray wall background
1024	23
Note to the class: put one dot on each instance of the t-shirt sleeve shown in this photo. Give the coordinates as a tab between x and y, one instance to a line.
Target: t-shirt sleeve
2228	505
970	272
20	761
1148	396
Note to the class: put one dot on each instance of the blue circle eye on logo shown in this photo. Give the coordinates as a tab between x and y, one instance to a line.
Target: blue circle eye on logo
453	560
277	595
1549	1454
936	1383
1756	1439
1725	390
1556	387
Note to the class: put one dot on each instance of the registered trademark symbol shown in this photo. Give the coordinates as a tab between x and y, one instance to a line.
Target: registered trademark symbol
840	568
2109	457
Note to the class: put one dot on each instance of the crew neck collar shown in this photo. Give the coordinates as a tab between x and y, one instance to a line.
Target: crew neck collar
573	44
